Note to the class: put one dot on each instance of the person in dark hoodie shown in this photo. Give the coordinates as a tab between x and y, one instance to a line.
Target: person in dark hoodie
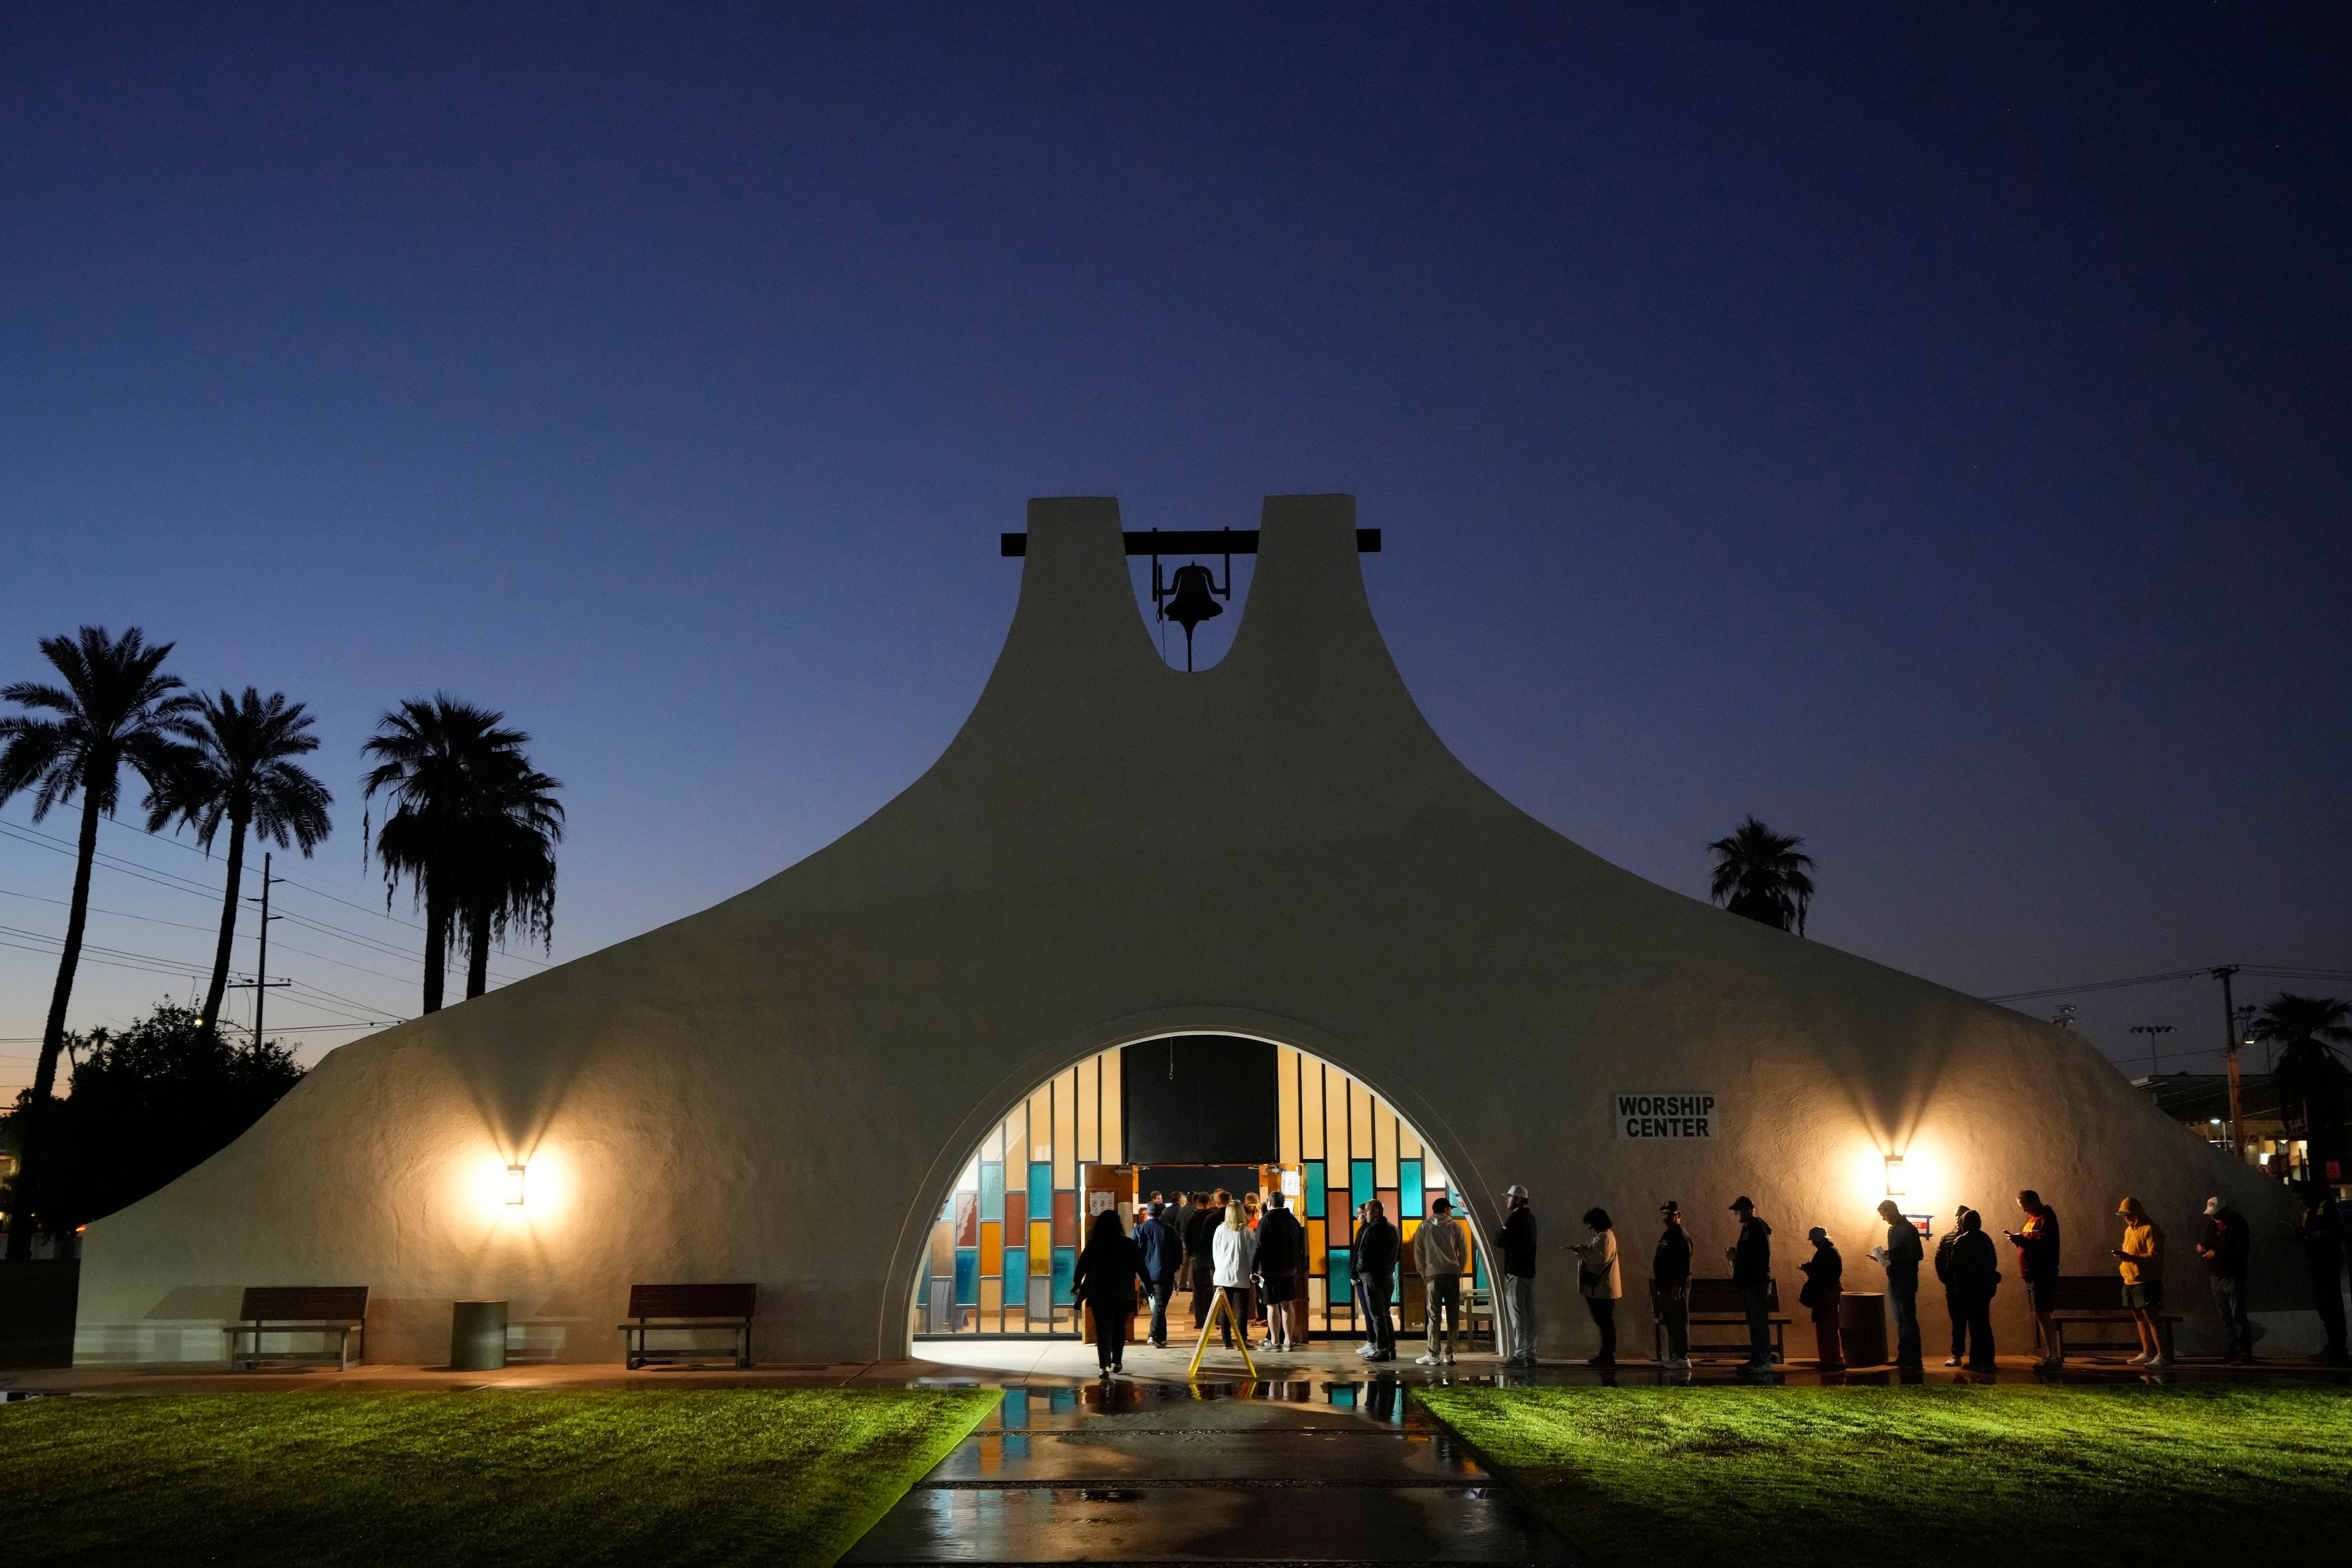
1162	1251
1900	1258
2037	1266
1104	1284
2320	1230
1973	1277
1670	1273
2224	1247
1375	1263
1952	1308
1823	1293
1200	1260
1751	1270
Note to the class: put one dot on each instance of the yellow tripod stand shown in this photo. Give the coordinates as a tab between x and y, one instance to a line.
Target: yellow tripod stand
1224	1306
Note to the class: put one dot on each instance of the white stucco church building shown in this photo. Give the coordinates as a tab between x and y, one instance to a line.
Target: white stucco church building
1139	927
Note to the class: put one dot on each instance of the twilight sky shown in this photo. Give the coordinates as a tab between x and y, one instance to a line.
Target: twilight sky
1929	433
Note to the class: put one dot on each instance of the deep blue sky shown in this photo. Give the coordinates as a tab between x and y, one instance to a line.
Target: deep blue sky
1929	431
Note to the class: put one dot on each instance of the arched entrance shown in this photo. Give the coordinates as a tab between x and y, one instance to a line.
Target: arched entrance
1169	1113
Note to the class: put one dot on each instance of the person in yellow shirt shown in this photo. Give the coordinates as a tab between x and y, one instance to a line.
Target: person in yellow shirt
2140	1260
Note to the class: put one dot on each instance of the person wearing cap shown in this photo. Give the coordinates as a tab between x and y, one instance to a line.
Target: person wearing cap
2224	1248
1515	1296
1751	1271
1823	1292
1900	1257
1441	1253
1670	1273
2140	1261
1975	1277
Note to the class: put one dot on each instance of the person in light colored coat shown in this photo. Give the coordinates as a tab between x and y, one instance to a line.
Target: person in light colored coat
1440	1256
1598	1281
1234	1251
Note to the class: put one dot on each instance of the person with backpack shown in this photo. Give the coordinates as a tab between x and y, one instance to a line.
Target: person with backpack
1953	1311
1900	1257
1670	1274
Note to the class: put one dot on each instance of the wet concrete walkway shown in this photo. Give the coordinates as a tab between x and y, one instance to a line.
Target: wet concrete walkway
1311	1470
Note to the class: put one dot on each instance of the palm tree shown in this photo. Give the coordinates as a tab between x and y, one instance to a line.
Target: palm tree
2315	1088
471	829
513	822
243	774
1761	874
115	706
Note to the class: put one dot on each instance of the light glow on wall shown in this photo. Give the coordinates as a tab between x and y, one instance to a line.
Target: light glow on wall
1893	1175
532	1189
514	1187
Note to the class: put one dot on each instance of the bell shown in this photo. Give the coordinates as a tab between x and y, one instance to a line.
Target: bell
1191	599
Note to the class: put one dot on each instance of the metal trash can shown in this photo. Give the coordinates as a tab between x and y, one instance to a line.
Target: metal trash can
477	1336
1861	1324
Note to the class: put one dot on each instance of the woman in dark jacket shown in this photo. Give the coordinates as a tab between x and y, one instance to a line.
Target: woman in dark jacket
1104	1283
1824	1288
1972	1275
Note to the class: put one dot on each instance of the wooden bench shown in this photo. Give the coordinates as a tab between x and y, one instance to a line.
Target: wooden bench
2097	1300
656	1308
337	1310
1717	1303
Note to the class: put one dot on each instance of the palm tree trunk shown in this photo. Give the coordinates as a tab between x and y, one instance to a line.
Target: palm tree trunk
437	948
477	953
219	987
32	1141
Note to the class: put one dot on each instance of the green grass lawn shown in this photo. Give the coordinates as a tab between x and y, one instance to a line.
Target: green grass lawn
1930	1474
674	1476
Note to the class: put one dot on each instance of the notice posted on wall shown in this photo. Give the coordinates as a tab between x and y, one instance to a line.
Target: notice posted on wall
1639	1113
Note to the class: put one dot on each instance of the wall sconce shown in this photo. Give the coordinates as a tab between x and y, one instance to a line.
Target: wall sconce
1894	1175
514	1187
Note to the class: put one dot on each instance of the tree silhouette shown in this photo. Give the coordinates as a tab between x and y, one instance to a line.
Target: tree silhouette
243	774
115	706
1761	874
2315	1088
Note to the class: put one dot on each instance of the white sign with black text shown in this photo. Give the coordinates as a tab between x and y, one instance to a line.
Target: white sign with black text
1641	1113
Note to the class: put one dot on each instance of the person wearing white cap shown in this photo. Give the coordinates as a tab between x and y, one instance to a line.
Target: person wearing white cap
1515	1292
2224	1248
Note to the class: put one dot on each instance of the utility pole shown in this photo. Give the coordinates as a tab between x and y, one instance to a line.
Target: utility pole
2230	1048
261	982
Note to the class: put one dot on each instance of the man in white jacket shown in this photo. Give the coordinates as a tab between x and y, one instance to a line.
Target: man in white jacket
1441	1255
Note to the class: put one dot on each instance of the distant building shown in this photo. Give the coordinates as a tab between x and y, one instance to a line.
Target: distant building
2200	1102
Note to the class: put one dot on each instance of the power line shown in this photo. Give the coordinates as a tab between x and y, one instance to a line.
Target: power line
2268	971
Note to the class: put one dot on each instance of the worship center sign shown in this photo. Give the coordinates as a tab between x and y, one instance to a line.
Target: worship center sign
1637	1114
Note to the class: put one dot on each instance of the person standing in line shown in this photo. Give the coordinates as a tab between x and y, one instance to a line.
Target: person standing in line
2037	1266
1199	1257
1597	1280
1751	1271
1823	1293
2140	1261
1356	1280
1975	1276
1104	1282
1670	1273
2320	1232
1375	1262
1162	1251
1249	1201
1952	1307
1900	1257
2225	1248
1281	1255
1234	1249
1515	1292
1441	1255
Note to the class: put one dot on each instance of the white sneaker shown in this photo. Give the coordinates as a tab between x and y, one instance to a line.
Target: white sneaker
2158	1363
2140	1360
1424	1359
1449	1358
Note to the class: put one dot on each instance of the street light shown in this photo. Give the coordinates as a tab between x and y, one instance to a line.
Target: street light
2151	1031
